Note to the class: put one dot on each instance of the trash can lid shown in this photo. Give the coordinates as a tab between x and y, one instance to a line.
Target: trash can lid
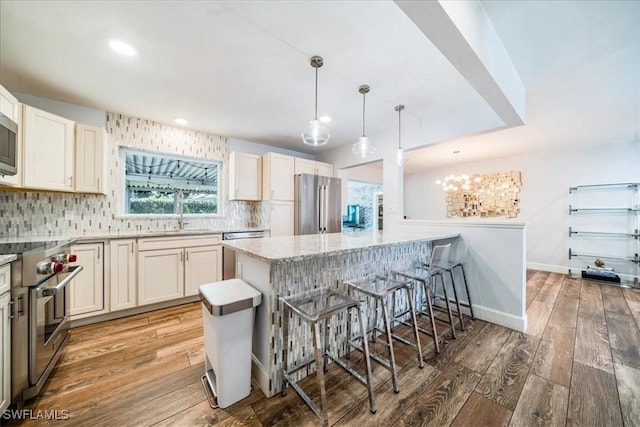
229	296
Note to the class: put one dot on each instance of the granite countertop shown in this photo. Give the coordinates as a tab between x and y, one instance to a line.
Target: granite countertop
7	258
123	235
296	248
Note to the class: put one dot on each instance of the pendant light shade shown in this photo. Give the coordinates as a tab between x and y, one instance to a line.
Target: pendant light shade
363	148
401	156
315	134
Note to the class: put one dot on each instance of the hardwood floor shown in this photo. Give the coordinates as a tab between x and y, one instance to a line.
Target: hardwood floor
578	364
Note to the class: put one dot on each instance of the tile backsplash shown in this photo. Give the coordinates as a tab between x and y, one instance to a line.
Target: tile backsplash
31	213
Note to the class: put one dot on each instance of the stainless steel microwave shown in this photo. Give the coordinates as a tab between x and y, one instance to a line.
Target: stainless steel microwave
8	146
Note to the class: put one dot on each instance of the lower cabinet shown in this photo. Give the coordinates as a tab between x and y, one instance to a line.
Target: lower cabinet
160	275
202	265
178	269
122	269
87	289
5	353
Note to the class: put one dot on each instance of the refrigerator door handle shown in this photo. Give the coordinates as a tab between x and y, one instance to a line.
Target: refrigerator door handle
325	206
320	208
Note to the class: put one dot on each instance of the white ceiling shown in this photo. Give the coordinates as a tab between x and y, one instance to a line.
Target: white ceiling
580	64
241	69
238	69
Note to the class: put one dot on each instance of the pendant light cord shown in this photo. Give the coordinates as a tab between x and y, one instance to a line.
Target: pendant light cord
363	107
315	117
399	128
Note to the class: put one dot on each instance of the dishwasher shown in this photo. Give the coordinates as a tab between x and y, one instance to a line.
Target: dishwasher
229	255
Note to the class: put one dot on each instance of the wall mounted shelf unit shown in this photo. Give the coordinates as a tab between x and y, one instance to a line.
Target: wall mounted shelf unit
604	223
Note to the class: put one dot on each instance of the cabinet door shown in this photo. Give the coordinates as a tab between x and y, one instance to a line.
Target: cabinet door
5	278
87	289
90	157
123	274
160	275
245	176
5	353
277	177
324	169
202	265
10	107
48	150
281	218
305	166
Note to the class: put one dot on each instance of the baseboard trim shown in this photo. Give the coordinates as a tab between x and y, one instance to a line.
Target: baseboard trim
551	268
260	374
501	318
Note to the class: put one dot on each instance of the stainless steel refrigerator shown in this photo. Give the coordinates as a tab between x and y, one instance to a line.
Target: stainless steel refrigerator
317	204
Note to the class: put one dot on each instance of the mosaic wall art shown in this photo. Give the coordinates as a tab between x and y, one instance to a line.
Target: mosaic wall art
483	195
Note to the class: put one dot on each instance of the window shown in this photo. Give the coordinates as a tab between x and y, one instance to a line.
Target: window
160	184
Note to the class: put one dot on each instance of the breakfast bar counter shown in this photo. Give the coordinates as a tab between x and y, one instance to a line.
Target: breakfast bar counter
289	265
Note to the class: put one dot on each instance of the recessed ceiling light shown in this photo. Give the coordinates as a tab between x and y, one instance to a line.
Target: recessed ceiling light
181	122
325	119
123	48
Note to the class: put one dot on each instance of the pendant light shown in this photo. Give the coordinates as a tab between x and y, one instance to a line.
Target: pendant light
363	148
315	134
402	158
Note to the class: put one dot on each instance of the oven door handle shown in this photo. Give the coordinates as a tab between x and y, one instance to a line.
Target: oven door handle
53	290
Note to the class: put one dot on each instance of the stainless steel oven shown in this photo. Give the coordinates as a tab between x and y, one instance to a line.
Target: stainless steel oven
40	299
48	320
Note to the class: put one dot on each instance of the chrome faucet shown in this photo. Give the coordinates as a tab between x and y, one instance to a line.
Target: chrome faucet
180	209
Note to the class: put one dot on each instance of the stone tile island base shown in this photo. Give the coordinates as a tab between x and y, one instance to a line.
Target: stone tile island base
294	275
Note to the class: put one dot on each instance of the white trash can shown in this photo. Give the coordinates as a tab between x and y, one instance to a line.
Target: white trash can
227	314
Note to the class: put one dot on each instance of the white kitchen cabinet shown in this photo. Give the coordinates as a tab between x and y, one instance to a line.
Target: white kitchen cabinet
281	218
324	169
48	150
277	177
122	267
202	265
312	167
175	267
11	107
5	278
160	275
245	176
87	289
90	152
5	352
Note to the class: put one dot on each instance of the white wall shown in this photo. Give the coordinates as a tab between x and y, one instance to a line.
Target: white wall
544	199
365	173
78	113
260	149
494	255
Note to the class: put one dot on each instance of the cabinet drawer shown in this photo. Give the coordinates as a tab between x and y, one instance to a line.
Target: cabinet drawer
173	242
5	278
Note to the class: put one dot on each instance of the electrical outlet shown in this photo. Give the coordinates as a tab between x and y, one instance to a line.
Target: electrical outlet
69	215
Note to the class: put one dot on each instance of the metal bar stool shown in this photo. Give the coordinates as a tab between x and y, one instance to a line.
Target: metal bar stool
314	307
380	288
426	275
450	267
458	263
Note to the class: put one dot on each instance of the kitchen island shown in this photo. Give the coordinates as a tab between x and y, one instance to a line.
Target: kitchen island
288	265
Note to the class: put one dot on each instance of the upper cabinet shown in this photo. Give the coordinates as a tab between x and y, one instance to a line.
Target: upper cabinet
245	176
277	177
312	167
48	150
90	159
10	107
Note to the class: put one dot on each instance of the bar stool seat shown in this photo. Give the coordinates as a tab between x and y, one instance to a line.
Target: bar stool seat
380	288
314	307
426	274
